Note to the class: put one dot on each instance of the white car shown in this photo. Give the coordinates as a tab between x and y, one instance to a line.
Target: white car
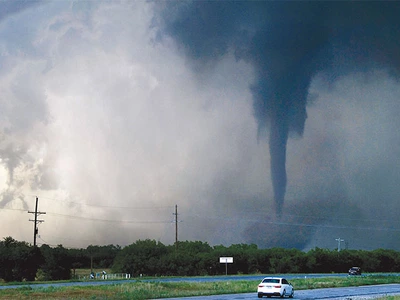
275	286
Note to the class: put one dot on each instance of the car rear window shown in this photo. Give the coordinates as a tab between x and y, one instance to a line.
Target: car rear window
270	280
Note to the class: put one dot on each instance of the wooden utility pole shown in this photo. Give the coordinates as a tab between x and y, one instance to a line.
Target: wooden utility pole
176	227
36	221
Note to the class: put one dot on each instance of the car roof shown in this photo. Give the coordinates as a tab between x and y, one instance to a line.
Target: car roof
273	278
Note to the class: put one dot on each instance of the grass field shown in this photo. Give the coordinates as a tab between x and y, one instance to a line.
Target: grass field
141	290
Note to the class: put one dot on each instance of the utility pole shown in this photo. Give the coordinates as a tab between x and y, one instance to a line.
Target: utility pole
36	221
176	221
339	240
176	227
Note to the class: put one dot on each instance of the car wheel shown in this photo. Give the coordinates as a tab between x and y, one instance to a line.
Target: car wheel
283	293
260	295
292	294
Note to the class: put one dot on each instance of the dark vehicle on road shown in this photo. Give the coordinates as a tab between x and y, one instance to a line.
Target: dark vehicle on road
355	271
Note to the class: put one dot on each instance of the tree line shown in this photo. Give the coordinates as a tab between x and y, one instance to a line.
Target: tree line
19	261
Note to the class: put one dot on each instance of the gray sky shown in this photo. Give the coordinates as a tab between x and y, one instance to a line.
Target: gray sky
111	127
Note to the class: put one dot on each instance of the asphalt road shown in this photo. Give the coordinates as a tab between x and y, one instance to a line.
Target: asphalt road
346	293
349	293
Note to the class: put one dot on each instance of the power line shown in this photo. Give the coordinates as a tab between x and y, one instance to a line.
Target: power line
320	217
15	209
111	221
91	219
225	219
109	206
218	218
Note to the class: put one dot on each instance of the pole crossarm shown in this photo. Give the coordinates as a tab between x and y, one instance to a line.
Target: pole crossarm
339	240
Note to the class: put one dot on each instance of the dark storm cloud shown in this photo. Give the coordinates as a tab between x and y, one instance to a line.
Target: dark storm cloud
9	7
287	43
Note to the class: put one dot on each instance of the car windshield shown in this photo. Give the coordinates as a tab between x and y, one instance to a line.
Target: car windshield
271	280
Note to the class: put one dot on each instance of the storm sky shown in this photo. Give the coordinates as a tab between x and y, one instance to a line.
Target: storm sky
112	116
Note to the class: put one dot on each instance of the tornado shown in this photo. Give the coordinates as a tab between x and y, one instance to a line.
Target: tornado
287	43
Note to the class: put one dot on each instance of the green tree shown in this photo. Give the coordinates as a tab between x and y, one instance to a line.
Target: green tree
320	260
18	260
388	260
58	263
102	256
243	258
141	257
190	258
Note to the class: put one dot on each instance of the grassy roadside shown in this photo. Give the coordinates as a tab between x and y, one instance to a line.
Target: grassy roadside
141	290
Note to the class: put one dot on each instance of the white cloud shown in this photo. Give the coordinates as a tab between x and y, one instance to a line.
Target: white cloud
128	125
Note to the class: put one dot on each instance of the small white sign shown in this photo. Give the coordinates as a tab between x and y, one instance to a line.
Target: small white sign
226	260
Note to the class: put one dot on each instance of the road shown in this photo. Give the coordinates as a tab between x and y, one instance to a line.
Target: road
348	293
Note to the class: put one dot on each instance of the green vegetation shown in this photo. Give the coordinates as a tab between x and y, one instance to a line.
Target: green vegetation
154	290
21	262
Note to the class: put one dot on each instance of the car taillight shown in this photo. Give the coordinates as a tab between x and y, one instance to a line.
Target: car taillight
260	285
277	286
